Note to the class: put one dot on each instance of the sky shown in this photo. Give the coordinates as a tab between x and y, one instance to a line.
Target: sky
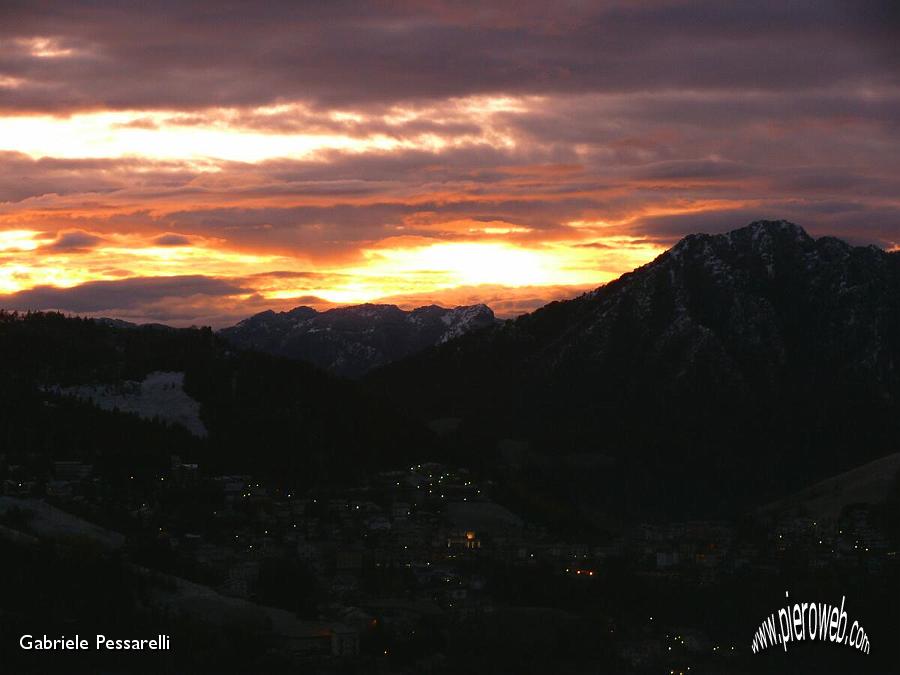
197	162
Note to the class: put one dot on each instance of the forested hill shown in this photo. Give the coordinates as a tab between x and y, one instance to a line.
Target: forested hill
265	415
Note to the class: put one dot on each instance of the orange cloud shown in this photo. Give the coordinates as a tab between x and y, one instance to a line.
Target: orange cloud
275	171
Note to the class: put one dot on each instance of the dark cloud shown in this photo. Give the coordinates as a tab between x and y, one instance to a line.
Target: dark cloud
171	240
691	169
654	119
22	177
99	296
311	300
852	221
188	55
288	274
75	241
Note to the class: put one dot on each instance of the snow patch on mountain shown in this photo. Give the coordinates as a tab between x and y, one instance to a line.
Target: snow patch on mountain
160	395
351	341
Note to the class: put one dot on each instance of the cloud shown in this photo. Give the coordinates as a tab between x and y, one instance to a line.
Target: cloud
74	241
171	240
342	54
101	296
23	177
585	127
198	300
506	302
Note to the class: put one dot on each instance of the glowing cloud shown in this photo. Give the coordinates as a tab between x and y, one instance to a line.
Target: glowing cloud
423	152
98	135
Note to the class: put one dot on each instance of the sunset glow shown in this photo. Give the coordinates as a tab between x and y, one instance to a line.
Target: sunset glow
281	170
152	136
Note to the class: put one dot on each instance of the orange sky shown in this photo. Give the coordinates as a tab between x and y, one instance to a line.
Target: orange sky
417	153
417	252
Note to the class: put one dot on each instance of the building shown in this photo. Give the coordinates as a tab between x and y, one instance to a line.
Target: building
463	542
72	471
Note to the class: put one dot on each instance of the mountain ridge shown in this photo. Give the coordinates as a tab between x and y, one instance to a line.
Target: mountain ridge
350	341
762	352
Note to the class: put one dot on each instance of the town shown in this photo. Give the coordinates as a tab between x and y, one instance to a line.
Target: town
410	565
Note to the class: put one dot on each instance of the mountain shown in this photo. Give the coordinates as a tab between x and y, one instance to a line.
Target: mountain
732	370
872	483
127	398
350	341
731	367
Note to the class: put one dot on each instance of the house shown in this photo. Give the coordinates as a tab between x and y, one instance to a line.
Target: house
400	510
72	471
463	542
233	487
59	488
666	558
378	523
185	474
306	640
18	488
242	577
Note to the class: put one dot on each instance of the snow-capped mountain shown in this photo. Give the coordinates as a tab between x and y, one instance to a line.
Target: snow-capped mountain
763	350
350	341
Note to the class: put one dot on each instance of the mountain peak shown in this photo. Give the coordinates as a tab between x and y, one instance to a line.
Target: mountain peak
766	241
759	233
760	227
300	311
768	233
352	340
762	329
